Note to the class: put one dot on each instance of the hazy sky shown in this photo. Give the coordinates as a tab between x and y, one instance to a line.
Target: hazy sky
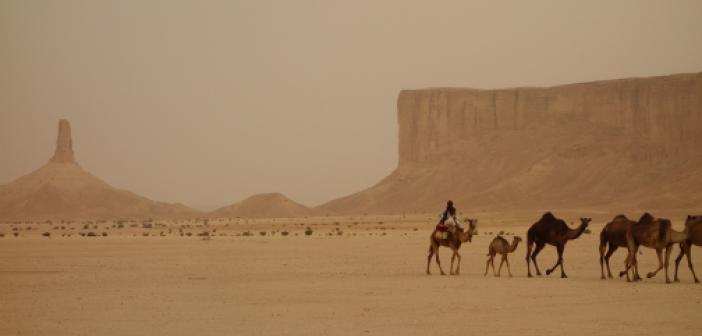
208	102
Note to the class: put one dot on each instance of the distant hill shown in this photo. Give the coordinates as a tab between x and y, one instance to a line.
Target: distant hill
61	189
614	144
272	205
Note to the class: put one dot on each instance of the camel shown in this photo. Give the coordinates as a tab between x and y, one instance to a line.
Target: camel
503	247
612	237
693	226
457	237
655	233
553	231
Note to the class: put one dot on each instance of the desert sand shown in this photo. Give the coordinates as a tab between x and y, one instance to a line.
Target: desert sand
351	276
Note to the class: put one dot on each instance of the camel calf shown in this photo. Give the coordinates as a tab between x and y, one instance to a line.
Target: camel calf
501	246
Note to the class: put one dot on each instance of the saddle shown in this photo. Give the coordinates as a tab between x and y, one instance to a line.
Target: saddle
442	232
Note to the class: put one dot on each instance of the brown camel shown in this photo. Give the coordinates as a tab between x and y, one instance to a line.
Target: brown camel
655	233
553	231
612	237
454	241
693	226
503	247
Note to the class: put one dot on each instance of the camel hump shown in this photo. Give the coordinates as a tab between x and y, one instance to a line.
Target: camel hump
663	226
646	218
621	217
548	215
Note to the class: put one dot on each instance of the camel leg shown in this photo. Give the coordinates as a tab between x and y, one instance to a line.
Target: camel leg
502	261
610	251
431	254
629	262
688	252
668	250
635	265
458	266
677	261
559	262
453	258
509	271
602	252
659	252
487	265
537	250
492	263
438	262
528	256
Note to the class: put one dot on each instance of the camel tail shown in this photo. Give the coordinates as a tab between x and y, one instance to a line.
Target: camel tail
603	236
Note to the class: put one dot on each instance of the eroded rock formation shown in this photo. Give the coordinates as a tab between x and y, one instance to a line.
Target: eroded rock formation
64	144
61	189
632	143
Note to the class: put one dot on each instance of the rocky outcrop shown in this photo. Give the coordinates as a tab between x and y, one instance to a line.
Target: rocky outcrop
64	144
61	189
270	205
631	143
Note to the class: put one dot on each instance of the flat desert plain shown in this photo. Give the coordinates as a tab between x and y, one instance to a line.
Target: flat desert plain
351	276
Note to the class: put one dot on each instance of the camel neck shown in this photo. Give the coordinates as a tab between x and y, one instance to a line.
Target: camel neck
514	245
575	233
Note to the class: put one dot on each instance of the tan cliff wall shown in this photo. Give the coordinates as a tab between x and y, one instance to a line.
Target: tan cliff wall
616	144
663	110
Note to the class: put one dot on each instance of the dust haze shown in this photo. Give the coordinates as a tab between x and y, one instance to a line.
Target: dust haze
207	103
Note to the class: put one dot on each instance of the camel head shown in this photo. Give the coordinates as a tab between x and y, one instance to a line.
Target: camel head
693	219
472	225
585	221
517	239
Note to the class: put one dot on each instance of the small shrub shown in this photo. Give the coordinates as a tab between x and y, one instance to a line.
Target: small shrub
46	234
262	233
104	234
284	233
188	234
587	231
91	234
308	231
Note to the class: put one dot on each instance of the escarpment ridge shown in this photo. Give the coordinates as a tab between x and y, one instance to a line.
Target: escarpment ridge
626	143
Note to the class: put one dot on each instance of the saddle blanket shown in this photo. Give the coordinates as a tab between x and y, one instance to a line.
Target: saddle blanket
441	235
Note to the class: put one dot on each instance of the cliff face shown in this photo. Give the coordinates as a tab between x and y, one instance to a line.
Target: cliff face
666	111
632	143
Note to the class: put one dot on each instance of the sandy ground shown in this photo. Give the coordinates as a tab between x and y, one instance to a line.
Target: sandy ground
368	280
